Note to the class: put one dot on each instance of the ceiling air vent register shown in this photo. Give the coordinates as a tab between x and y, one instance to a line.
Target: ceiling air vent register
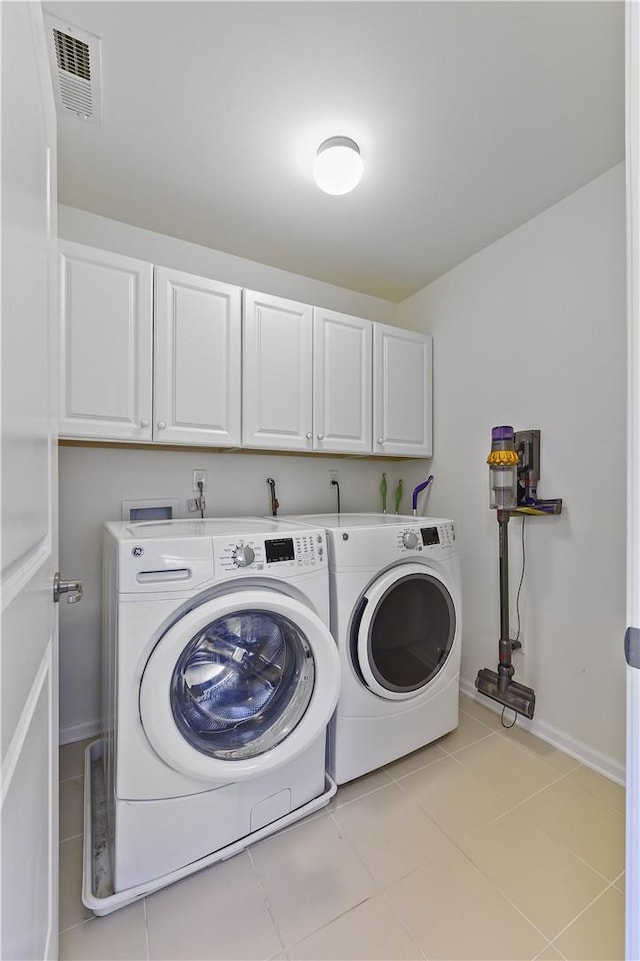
74	56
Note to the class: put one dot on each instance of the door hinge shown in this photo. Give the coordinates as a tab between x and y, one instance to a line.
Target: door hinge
632	646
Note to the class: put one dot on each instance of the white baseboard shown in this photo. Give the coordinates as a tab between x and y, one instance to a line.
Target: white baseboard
569	745
78	732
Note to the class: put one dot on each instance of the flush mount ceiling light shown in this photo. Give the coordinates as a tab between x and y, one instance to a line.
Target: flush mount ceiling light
338	165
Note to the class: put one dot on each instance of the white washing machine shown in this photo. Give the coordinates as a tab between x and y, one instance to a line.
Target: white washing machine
396	617
220	676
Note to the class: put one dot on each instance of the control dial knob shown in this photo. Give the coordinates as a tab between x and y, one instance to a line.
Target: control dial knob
410	539
243	556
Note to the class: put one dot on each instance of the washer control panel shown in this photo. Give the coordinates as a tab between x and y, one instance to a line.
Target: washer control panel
294	552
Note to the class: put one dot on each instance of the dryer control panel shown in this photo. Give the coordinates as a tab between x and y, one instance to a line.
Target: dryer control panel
273	555
419	538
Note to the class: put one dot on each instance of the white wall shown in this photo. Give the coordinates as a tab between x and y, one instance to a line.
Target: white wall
87	228
95	480
531	332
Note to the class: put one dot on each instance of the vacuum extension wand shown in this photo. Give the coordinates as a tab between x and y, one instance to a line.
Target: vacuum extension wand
499	685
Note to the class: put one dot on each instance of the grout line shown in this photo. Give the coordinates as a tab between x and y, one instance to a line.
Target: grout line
496	886
580	913
520	910
344	837
553	838
591	795
79	924
399	778
71	837
548	945
146	929
358	797
72	777
265	898
326	924
404	927
464	747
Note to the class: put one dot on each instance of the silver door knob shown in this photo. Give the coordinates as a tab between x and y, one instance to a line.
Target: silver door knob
162	425
379	440
309	435
144	423
72	588
320	436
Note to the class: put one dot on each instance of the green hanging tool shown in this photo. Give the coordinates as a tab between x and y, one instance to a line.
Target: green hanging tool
383	491
398	496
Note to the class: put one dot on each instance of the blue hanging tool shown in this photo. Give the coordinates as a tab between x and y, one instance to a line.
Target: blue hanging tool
416	491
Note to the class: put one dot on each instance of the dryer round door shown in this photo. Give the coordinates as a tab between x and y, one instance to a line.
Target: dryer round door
239	686
404	631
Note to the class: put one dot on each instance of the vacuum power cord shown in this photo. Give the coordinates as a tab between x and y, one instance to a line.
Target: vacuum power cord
516	645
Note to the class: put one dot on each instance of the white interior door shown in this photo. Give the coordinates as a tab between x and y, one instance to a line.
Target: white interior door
633	498
28	652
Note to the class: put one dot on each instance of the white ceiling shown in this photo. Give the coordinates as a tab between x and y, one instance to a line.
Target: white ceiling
472	117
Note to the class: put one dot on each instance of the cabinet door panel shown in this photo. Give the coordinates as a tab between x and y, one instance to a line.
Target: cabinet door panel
402	392
342	383
277	373
197	382
106	316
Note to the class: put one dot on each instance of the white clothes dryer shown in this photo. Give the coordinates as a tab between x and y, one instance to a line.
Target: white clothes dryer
396	617
220	676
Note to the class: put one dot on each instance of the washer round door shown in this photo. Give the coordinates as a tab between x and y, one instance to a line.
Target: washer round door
239	685
403	632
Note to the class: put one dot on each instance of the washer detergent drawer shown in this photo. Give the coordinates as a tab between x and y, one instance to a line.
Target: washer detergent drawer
182	564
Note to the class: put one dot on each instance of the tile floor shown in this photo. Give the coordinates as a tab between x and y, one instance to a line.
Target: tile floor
487	844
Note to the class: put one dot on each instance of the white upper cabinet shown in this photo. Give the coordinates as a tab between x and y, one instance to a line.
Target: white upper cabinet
188	360
106	368
341	383
197	378
402	391
139	368
277	373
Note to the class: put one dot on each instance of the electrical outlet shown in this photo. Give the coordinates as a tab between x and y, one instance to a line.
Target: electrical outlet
520	648
333	476
199	475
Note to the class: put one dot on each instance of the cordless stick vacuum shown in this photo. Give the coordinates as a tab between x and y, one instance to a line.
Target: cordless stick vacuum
499	685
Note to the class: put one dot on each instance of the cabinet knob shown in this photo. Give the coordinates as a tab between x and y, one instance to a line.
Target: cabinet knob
379	440
320	436
144	423
162	425
309	435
